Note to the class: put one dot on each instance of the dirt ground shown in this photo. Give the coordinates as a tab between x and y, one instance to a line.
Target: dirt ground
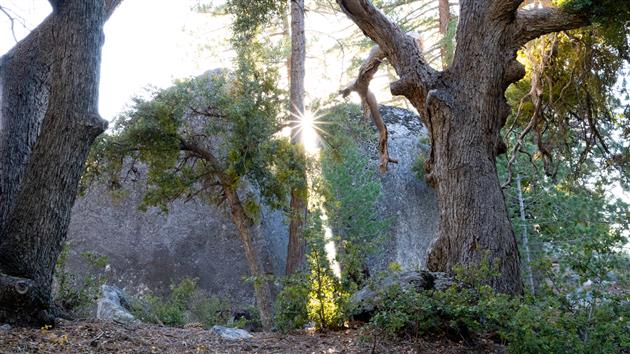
102	337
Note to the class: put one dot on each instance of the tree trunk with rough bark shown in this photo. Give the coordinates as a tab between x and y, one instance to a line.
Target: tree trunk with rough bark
297	245
245	227
464	109
49	120
262	287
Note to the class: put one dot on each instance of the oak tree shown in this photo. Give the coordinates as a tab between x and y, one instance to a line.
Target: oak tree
49	118
464	108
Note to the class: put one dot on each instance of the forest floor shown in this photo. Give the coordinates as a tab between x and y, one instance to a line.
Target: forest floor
103	337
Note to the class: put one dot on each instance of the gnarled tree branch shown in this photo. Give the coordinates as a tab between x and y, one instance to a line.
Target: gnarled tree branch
370	106
400	48
533	23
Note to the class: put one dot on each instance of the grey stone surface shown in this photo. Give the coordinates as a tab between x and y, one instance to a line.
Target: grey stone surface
5	328
113	305
231	333
405	198
149	251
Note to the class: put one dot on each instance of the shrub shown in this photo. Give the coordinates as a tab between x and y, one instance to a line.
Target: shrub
76	294
418	166
459	312
291	307
549	323
186	304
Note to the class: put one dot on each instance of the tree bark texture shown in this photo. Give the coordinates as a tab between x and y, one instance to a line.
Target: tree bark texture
296	248
244	225
464	109
49	120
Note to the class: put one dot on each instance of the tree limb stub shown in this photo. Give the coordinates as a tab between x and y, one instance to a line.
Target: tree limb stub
15	285
368	101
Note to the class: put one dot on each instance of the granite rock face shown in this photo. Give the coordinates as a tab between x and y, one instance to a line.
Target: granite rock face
406	198
150	250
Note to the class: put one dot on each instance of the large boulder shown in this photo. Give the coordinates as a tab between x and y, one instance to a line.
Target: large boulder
150	250
405	197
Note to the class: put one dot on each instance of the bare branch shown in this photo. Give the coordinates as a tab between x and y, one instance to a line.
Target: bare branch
533	23
12	22
368	101
400	48
12	19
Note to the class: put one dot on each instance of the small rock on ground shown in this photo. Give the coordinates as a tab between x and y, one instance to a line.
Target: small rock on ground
231	333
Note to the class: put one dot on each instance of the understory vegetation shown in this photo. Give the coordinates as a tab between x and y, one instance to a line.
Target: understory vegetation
186	304
530	172
76	294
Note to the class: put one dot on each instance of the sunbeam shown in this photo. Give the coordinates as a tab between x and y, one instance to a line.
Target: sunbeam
309	127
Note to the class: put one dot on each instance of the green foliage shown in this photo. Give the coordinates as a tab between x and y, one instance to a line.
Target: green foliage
418	166
460	312
252	15
327	305
171	311
549	326
576	235
553	323
611	16
233	117
185	304
76	294
352	190
581	305
291	307
581	122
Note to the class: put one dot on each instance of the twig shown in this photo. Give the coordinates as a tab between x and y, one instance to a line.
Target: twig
94	341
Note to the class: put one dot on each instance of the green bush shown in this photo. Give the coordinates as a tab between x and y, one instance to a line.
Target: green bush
185	304
291	306
418	166
459	312
549	323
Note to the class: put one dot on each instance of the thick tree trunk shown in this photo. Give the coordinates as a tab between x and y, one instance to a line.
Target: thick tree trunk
262	287
42	182
297	245
464	109
25	79
474	224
